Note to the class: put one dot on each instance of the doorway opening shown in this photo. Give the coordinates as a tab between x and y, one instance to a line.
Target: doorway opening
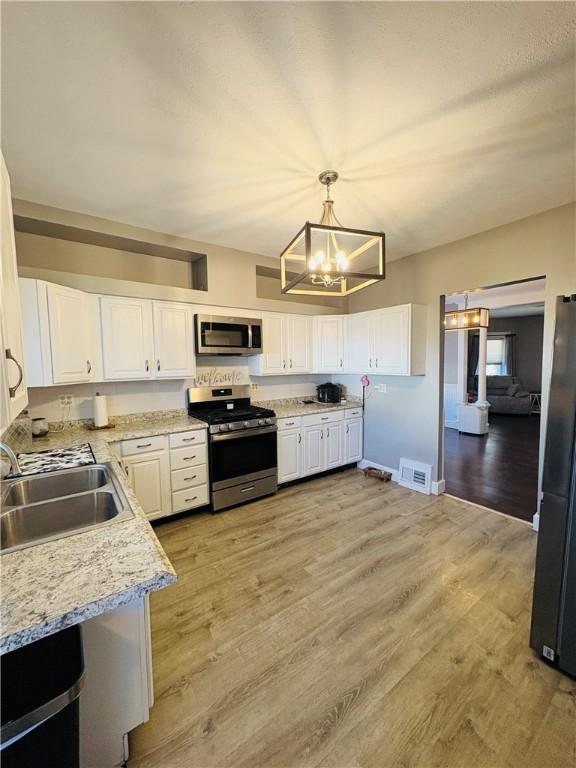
491	429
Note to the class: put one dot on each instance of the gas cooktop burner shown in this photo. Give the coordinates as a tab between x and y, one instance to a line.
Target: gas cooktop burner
236	414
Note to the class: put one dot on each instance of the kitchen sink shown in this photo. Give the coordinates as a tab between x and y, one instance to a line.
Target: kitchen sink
41	508
29	490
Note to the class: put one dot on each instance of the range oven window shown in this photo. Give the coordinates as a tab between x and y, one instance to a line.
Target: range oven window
225	335
242	455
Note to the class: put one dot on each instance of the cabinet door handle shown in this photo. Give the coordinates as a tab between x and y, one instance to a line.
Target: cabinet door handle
340	362
10	356
248	488
188	458
188	439
290	362
147	366
325	418
327	431
289	423
88	366
144	445
376	362
192	499
283	363
299	437
347	428
186	479
321	434
370	362
157	365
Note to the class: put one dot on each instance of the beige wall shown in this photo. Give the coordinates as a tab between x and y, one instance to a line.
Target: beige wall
405	420
231	273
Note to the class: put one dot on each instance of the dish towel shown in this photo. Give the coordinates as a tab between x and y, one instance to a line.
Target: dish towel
55	459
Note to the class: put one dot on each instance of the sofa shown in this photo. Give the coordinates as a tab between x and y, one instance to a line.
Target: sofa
505	395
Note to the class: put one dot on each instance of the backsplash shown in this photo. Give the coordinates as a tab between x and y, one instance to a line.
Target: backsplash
126	397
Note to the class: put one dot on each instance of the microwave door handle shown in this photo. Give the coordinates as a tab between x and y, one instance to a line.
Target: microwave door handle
249	335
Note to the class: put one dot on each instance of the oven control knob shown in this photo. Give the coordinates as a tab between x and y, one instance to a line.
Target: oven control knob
261	422
268	421
246	424
223	428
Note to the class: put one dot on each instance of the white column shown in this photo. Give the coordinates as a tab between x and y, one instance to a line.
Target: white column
482	352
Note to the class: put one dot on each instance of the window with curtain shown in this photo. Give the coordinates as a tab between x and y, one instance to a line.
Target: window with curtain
498	356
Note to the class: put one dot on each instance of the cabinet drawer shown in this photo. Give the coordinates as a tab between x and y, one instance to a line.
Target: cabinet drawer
180	458
143	445
194	437
290	422
189	498
322	418
189	477
354	413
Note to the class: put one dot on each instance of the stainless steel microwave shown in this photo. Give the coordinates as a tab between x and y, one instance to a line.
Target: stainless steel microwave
216	335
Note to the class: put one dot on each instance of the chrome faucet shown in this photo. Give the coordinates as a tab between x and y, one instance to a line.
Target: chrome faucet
12	457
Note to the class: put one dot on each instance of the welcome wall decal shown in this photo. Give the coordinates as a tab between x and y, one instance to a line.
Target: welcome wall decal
218	377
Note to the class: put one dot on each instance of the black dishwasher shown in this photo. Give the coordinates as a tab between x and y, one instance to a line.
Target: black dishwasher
40	687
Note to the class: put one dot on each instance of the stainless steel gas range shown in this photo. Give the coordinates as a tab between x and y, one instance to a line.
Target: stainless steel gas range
241	443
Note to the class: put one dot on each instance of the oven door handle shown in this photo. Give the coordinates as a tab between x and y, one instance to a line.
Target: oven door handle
243	433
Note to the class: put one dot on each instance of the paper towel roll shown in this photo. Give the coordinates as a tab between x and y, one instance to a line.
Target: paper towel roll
100	410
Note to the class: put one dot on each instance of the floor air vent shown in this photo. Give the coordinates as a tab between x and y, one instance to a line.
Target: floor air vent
415	475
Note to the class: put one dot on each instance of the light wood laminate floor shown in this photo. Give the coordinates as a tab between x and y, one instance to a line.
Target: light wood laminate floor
346	623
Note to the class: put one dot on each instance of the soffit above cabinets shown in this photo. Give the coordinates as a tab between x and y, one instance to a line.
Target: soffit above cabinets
211	120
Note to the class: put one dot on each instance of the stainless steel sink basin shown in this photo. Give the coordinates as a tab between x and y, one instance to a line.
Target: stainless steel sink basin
29	490
41	508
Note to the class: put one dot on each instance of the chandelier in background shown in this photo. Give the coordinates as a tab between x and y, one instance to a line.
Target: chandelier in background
330	259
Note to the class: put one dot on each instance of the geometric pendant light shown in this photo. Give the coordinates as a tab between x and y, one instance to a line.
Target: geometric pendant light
466	319
329	259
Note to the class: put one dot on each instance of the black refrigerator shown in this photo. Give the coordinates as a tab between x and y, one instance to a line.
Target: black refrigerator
553	631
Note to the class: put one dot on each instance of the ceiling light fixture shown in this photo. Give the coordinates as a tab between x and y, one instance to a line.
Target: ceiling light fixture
466	319
327	258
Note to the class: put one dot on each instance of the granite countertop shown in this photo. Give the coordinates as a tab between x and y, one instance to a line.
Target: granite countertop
51	586
294	407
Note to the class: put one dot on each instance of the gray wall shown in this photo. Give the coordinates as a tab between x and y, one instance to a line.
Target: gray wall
529	337
406	420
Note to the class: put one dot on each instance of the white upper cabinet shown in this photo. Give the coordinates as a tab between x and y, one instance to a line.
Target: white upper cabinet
286	345
358	343
389	342
72	334
127	346
329	344
13	392
174	340
273	358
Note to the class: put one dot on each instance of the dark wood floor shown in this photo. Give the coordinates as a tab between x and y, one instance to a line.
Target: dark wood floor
499	470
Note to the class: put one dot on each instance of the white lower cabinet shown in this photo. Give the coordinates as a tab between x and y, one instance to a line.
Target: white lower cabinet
289	455
118	692
169	473
353	440
149	476
311	444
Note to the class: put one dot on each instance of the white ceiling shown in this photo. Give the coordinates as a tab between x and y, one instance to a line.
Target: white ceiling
212	120
513	300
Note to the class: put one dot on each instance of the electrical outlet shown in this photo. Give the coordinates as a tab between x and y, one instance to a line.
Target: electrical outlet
65	400
381	388
254	387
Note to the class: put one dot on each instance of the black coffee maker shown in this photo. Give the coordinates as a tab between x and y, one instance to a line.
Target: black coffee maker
329	393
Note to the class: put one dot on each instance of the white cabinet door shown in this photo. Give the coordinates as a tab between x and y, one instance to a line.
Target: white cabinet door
289	455
391	340
314	454
274	337
174	340
298	343
334	439
353	441
13	380
359	343
126	338
329	335
70	339
149	476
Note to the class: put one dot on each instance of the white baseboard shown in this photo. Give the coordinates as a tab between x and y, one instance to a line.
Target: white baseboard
438	487
451	424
